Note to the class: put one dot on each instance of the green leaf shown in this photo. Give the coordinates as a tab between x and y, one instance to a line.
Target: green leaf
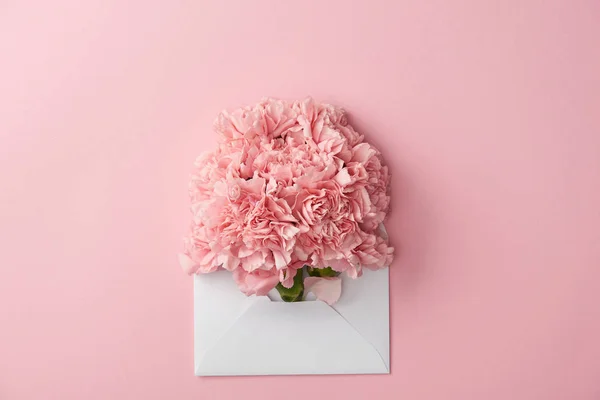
296	292
322	272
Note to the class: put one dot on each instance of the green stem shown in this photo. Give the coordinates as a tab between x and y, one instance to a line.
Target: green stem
322	272
296	292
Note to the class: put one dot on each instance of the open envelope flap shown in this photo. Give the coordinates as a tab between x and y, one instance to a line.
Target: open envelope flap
218	304
365	304
239	335
272	338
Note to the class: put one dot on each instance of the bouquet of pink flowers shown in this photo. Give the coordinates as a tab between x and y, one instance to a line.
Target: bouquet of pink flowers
291	190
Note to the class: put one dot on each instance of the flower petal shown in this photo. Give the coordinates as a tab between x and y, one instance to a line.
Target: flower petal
343	177
188	265
328	290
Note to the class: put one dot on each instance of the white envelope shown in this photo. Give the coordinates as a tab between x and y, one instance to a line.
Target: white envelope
239	335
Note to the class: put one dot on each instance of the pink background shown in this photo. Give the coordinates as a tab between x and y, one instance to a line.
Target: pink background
487	112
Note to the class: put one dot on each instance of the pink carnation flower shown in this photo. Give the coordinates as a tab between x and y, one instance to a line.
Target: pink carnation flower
288	185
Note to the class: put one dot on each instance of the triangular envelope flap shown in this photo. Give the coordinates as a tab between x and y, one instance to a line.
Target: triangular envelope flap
218	303
365	304
282	339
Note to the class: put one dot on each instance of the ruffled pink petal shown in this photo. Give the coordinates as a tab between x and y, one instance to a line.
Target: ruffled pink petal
328	290
286	277
282	259
288	183
339	265
188	265
228	261
343	177
253	261
259	282
362	152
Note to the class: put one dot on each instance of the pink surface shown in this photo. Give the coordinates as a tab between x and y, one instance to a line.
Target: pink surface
487	112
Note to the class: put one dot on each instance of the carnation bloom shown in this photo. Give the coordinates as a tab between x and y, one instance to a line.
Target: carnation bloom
288	185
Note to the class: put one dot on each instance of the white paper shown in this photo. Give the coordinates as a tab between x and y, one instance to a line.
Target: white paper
239	335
